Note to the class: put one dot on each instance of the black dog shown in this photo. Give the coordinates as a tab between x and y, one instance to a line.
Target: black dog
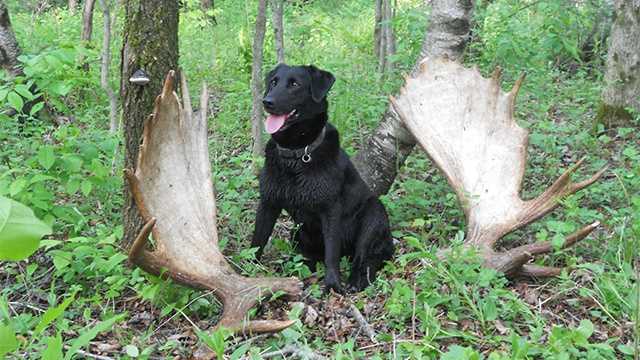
311	177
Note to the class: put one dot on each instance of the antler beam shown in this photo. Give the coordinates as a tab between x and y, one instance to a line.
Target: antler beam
173	190
465	124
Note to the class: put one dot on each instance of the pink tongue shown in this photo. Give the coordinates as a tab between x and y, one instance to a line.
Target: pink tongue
274	122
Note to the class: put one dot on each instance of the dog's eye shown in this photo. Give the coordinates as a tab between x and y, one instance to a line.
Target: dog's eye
294	83
274	82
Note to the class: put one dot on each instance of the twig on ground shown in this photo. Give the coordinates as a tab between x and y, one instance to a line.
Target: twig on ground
363	322
301	352
15	303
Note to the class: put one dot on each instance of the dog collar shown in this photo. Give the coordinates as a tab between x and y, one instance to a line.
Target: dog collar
303	154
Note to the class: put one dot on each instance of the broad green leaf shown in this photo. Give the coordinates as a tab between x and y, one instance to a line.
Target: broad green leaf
23	90
86	187
46	157
72	186
20	230
8	340
15	101
53	313
88	335
3	94
17	186
35	108
54	348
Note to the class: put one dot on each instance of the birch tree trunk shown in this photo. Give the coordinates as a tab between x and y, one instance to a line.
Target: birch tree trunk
73	4
257	115
105	64
277	9
622	75
87	21
385	46
150	43
388	147
9	48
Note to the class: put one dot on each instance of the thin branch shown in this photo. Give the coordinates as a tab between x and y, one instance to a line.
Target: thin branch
363	322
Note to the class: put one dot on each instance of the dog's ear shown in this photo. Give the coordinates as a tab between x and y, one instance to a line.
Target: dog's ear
321	82
270	75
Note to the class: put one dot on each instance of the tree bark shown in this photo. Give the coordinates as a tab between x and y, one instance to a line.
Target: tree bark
206	4
257	116
9	48
385	46
377	30
622	75
277	9
87	21
150	43
73	4
104	66
388	147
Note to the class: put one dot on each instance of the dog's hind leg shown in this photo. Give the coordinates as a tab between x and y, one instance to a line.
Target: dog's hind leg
373	246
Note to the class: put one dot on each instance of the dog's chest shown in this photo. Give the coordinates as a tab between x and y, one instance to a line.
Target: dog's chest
309	189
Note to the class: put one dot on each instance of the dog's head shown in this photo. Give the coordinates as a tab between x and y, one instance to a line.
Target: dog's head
293	94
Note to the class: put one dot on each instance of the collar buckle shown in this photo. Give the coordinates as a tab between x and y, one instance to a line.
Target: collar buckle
306	157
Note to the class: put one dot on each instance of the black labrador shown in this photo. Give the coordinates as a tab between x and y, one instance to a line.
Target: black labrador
311	177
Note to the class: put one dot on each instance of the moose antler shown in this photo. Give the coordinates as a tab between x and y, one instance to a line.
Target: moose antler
172	188
465	123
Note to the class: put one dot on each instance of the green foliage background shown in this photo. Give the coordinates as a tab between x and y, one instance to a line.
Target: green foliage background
77	290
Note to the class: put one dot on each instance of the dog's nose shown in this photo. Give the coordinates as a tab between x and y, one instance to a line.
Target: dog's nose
267	102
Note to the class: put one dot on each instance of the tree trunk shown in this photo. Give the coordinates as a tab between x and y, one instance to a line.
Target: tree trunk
87	21
385	46
73	4
105	62
206	4
257	116
150	43
9	48
388	147
622	76
377	30
277	9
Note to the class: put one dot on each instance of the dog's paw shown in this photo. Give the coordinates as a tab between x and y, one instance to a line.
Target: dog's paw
332	283
357	283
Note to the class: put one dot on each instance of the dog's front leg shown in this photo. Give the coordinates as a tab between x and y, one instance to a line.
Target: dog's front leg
332	246
265	220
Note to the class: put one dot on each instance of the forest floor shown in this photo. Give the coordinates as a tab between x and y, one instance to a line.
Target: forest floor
68	171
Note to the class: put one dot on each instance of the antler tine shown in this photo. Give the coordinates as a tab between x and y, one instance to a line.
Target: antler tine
186	98
539	271
168	86
138	244
549	199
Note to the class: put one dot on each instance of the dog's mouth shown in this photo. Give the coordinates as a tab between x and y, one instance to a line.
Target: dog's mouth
276	122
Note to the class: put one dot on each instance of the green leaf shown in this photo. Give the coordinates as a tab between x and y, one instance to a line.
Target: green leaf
20	230
3	94
8	340
53	313
86	187
17	186
54	348
88	335
586	328
15	101
35	108
23	90
46	157
72	186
